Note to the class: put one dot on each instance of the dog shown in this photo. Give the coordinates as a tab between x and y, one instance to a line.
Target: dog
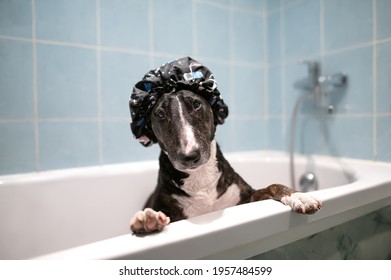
179	109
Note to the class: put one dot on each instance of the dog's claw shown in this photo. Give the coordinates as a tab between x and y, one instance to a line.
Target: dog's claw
302	203
148	221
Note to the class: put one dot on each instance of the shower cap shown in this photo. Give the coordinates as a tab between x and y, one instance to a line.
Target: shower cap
181	74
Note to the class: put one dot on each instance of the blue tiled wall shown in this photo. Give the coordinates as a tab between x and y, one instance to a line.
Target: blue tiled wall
67	69
351	36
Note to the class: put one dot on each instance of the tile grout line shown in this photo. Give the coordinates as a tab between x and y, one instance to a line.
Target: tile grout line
98	84
35	88
228	7
151	50
374	80
321	25
160	54
150	53
194	27
283	76
96	119
265	60
232	73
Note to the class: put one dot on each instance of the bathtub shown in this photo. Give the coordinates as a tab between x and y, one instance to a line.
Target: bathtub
83	213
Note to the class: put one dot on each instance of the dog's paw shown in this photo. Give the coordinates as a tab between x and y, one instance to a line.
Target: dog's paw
302	203
148	221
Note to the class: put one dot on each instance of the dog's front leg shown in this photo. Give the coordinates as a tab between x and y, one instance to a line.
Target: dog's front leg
299	202
148	220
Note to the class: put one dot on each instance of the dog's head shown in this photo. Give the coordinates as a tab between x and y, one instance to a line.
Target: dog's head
178	106
184	126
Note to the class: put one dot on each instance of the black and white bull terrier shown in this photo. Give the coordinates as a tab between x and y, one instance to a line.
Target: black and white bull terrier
194	177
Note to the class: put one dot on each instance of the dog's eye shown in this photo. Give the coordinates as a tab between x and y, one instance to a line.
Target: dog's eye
196	104
161	115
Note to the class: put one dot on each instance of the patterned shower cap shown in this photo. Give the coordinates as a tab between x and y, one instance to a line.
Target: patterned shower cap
181	74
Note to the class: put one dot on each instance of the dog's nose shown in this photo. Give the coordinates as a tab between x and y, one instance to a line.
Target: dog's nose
190	158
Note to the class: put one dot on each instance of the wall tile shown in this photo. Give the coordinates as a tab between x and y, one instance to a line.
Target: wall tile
255	6
225	135
161	59
311	134
65	144
16	79
357	64
174	16
383	62
70	21
274	38
275	91
248	28
294	72
212	31
119	74
16	18
350	137
119	145
248	91
221	2
250	134
275	139
66	82
125	24
221	72
17	148
334	135
342	27
383	12
302	29
383	138
272	5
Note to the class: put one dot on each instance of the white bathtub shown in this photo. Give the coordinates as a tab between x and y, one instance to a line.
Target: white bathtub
83	213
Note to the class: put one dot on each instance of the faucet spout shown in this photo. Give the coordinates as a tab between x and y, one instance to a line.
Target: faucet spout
312	80
320	85
313	71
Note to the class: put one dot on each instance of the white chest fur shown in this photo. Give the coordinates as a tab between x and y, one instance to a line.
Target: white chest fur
201	187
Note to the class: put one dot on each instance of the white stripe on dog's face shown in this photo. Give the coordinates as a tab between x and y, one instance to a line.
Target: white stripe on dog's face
183	123
188	141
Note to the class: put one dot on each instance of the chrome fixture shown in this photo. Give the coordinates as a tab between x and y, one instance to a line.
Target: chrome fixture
321	86
308	182
316	87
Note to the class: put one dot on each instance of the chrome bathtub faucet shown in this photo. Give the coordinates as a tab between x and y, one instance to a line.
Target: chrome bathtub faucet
321	86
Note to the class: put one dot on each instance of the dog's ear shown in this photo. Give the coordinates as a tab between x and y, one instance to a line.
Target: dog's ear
140	105
220	109
140	133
